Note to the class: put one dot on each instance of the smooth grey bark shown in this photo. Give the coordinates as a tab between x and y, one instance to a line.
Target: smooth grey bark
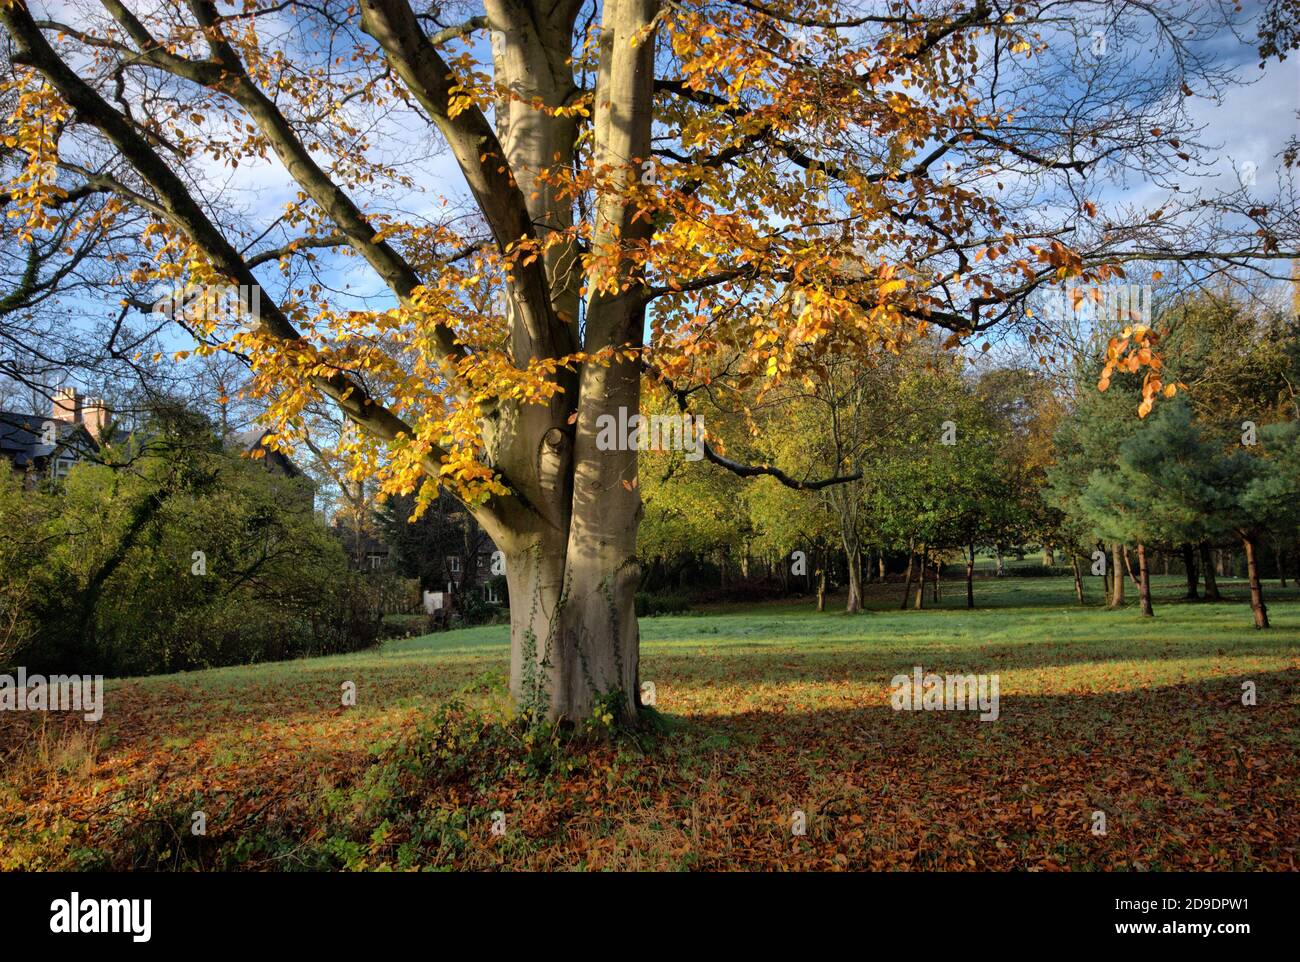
853	557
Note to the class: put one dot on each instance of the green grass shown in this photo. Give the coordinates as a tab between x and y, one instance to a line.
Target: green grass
772	708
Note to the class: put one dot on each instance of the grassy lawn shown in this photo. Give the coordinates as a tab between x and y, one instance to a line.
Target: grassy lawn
769	709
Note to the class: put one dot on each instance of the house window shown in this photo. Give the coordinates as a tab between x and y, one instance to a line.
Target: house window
62	466
491	594
376	562
480	561
453	563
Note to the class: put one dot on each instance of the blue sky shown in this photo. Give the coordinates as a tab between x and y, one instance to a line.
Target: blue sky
1248	124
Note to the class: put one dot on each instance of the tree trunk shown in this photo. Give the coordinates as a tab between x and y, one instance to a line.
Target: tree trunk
1144	581
1001	568
920	579
572	576
907	585
1280	555
938	576
1128	566
854	559
1256	589
1078	577
1117	577
1049	556
970	577
821	586
571	540
1207	569
1189	568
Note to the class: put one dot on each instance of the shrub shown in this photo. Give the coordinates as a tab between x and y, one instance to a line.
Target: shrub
173	556
649	604
405	626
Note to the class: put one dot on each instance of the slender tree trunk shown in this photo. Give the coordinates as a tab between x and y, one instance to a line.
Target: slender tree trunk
854	559
1207	569
1078	577
821	586
1001	565
970	577
1257	606
1117	577
907	585
938	576
1144	581
920	579
880	560
1128	566
1049	556
1189	568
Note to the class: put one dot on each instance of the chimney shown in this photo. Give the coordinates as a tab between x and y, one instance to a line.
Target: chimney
95	416
66	406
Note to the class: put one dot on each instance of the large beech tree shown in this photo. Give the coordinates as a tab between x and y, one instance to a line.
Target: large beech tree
649	180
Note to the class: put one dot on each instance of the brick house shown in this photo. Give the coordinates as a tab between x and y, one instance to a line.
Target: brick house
47	446
42	447
473	573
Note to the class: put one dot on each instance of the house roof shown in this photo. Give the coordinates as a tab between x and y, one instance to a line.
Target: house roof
251	439
21	437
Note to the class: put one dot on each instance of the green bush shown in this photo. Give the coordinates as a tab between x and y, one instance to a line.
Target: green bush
649	604
1036	571
170	556
477	610
405	626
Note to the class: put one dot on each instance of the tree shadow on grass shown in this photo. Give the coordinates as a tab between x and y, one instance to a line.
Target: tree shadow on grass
876	663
